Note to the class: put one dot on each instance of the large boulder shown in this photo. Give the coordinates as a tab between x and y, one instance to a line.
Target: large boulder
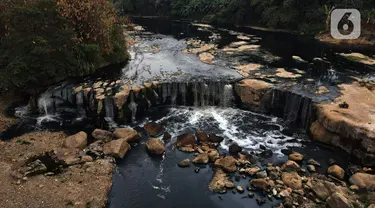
292	179
353	126
202	136
116	148
228	164
253	93
155	146
220	182
323	189
78	141
154	129
103	135
337	200
128	134
201	159
186	140
336	171
363	181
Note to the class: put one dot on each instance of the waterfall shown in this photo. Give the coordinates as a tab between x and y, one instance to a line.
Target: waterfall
195	90
46	104
109	108
227	97
133	106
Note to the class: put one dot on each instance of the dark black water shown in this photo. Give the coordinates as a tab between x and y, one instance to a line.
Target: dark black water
142	180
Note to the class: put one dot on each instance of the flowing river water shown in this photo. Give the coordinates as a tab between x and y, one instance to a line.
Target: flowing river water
158	54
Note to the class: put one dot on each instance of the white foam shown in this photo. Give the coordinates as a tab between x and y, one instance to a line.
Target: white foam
246	128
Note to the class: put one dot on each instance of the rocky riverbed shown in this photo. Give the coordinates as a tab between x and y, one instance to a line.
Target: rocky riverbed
251	149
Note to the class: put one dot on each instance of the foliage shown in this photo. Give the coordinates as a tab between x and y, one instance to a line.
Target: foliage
305	16
44	41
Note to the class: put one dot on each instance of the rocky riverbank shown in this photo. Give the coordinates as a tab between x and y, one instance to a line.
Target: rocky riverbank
37	171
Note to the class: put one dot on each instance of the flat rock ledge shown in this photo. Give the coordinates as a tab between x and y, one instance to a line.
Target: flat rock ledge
348	122
351	127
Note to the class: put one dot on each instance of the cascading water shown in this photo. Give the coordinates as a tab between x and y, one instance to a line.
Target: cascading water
133	107
227	97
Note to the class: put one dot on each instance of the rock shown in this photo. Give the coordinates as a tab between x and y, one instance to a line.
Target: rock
292	179
186	149
213	155
260	202
266	154
129	135
228	164
102	135
166	137
262	183
313	162
323	189
201	159
251	171
186	140
34	168
298	59
154	129
296	157
116	148
234	148
197	170
155	146
202	136
87	158
371	206
184	163
336	171
354	188
261	174
252	93
247	158
337	200
311	168
78	141
251	194
229	185
215	139
285	193
219	182
363	181
206	58
289	166
240	189
322	90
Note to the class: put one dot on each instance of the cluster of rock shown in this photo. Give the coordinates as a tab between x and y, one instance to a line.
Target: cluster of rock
290	182
76	150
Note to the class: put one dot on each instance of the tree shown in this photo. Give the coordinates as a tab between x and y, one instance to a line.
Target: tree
44	41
